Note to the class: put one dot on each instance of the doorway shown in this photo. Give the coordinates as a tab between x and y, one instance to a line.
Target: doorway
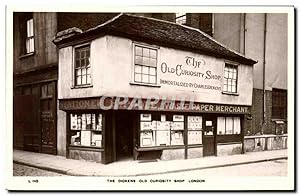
124	135
209	136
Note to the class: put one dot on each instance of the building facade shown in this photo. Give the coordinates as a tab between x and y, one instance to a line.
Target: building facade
101	67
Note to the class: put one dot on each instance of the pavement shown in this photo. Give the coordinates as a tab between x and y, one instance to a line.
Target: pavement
124	168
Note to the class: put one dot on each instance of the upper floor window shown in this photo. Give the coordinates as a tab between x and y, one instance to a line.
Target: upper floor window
181	18
279	104
29	36
145	65
82	66
26	32
230	78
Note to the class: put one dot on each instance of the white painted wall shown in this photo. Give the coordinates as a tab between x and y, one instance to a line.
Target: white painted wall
112	72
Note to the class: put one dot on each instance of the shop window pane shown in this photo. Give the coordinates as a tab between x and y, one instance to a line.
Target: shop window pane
221	125
85	139
75	138
73	118
83	122
163	138
147	139
237	125
86	129
195	137
96	139
194	122
229	125
99	122
176	137
146	126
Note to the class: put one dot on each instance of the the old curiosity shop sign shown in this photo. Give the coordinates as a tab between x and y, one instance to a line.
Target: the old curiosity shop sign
121	103
190	74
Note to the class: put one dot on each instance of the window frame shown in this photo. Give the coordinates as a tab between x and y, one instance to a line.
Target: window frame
23	30
151	47
74	85
281	97
236	67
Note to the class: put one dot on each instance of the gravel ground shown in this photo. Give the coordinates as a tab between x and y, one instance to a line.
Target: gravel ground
23	170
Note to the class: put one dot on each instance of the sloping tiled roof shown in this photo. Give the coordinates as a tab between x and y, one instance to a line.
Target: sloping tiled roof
162	32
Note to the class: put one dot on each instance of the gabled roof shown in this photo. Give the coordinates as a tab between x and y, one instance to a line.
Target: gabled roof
158	31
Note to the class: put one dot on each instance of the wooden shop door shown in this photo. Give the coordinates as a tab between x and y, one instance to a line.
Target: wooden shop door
209	136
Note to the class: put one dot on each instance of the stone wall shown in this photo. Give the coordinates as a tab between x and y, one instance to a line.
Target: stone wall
195	153
85	155
172	154
229	149
265	142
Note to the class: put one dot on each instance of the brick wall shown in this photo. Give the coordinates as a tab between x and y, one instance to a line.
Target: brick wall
257	114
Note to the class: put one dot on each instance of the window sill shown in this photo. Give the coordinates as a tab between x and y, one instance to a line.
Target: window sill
229	93
82	86
26	55
144	84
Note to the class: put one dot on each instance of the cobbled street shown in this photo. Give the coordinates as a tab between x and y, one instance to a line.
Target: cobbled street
23	170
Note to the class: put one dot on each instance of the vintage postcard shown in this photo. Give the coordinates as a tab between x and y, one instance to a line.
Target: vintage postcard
169	98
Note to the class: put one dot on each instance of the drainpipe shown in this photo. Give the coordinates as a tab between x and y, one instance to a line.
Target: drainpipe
264	71
244	36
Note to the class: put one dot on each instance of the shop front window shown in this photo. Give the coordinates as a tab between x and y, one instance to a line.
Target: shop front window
194	130
86	129
163	131
145	61
230	78
228	125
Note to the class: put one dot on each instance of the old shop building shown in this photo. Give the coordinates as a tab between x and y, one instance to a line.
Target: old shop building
138	57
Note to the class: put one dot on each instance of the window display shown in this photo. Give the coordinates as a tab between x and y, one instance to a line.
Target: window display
162	132
194	129
228	125
86	129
